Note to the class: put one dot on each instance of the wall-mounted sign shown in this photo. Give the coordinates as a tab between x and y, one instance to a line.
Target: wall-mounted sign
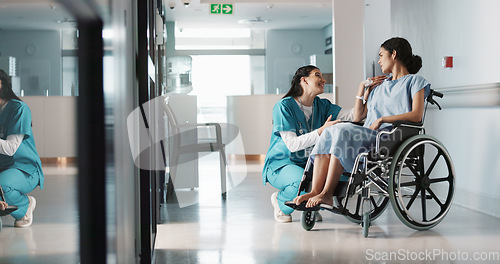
226	9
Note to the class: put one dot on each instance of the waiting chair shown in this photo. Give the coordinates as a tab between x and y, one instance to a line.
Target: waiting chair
178	149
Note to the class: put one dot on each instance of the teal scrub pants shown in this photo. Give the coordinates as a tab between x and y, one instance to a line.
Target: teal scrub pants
287	180
16	184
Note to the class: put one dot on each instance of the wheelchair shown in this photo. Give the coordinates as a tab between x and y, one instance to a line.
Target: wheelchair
412	170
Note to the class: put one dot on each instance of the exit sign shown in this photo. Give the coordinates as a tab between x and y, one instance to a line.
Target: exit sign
226	9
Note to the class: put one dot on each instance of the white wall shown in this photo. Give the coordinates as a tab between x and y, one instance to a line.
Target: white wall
286	51
471	137
467	30
377	28
348	43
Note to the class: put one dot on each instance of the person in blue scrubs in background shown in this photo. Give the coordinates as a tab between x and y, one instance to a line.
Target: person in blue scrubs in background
299	118
20	165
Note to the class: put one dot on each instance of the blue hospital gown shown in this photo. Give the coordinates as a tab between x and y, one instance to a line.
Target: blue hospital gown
393	97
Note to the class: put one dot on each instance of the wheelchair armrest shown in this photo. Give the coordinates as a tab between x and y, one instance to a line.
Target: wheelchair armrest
355	123
400	123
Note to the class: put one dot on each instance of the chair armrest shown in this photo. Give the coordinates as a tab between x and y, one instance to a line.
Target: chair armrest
218	129
198	124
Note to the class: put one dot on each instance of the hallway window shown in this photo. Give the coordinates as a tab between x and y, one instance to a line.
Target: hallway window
214	77
218	39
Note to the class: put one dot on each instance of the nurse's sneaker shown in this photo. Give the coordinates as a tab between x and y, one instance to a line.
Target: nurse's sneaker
279	216
27	219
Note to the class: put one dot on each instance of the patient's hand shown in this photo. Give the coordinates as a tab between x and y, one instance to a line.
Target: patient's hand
3	205
376	82
376	125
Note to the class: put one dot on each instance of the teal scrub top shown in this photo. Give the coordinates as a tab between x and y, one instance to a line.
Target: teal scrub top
287	116
16	119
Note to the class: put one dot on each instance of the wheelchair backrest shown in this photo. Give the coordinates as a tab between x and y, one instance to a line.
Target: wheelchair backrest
390	142
402	130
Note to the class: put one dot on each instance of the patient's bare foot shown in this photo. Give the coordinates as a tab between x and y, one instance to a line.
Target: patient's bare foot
320	199
299	199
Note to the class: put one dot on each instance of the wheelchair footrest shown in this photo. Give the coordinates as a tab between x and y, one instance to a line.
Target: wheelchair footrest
8	210
302	206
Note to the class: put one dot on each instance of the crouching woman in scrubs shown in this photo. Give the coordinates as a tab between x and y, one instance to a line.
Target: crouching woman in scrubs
20	166
299	118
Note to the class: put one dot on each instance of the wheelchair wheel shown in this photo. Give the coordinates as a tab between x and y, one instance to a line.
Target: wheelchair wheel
308	219
354	213
421	182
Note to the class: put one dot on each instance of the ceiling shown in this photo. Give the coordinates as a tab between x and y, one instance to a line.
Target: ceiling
280	14
33	15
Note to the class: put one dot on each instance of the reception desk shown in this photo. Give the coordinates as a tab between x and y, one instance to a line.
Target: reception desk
54	125
253	115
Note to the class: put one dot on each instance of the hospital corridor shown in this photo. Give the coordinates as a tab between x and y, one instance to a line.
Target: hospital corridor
249	131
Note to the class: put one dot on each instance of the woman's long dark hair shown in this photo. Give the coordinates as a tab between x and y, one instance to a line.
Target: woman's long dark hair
295	88
404	53
6	92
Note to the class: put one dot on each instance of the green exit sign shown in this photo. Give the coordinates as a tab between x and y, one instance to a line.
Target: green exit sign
226	9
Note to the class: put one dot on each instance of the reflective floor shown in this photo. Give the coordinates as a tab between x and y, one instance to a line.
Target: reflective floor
53	236
241	229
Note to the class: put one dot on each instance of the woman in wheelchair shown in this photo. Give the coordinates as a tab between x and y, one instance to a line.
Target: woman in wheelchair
400	97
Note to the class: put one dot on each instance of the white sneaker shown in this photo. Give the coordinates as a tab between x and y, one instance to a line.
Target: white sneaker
279	216
27	219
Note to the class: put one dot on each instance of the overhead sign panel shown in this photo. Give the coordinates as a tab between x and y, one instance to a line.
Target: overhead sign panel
225	9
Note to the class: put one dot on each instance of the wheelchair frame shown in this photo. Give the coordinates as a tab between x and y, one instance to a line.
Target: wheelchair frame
383	173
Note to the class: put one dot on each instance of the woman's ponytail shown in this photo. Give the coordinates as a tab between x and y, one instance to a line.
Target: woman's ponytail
414	64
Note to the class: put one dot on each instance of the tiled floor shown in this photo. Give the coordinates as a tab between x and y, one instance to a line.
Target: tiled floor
242	230
53	236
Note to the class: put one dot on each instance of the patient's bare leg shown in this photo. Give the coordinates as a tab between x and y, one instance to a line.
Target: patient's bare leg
333	176
321	163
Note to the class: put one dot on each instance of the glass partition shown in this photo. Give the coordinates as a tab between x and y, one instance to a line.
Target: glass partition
38	51
38	47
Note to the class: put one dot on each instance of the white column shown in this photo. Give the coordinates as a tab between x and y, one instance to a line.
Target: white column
348	49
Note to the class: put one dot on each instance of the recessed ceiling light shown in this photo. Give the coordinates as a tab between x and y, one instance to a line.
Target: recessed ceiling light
253	21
